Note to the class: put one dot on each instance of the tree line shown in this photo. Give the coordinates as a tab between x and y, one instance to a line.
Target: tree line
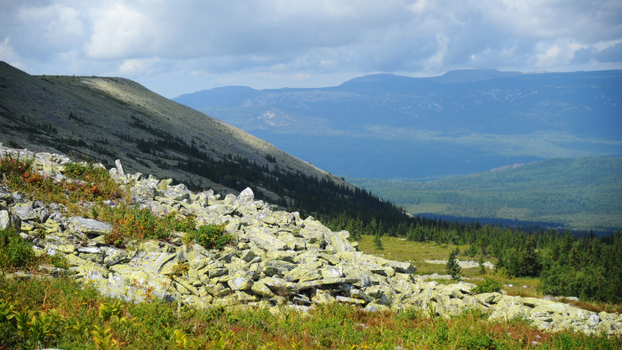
586	266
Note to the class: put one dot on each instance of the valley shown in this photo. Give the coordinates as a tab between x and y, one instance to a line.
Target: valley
581	193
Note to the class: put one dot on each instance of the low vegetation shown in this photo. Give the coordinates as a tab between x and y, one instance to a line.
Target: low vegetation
14	251
589	267
63	314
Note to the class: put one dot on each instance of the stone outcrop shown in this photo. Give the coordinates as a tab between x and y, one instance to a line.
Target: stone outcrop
276	260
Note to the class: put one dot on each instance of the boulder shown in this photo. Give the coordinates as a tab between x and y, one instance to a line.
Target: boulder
280	286
5	220
240	283
265	239
246	198
25	211
89	227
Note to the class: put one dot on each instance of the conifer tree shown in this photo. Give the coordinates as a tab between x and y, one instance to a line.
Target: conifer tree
482	268
530	261
378	241
452	267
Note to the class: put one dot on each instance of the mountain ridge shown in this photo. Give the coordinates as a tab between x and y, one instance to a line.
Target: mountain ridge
105	118
459	123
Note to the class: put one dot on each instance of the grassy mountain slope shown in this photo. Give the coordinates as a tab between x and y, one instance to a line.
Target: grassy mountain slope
581	193
386	126
108	118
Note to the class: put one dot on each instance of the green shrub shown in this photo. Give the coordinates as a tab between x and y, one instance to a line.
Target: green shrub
140	224
212	236
487	286
76	170
59	260
14	251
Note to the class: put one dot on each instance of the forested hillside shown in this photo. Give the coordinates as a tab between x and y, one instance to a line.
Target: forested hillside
581	193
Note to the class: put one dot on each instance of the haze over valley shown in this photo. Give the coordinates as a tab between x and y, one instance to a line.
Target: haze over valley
395	127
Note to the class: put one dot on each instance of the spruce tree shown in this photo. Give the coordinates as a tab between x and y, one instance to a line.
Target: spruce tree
378	241
530	261
482	268
452	267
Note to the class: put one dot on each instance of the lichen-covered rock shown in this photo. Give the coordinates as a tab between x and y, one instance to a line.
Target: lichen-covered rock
25	211
5	220
89	227
246	198
280	286
339	241
240	283
113	256
322	297
264	239
259	288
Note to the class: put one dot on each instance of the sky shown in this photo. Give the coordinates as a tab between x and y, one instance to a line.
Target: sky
181	46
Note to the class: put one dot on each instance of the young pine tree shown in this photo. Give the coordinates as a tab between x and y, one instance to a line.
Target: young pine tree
482	268
378	240
452	267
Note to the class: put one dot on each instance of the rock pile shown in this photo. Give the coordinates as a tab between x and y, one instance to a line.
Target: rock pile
277	260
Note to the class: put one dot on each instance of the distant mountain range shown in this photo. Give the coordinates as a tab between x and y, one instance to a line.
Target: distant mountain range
395	127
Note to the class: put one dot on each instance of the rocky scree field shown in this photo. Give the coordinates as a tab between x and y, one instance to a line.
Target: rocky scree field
139	239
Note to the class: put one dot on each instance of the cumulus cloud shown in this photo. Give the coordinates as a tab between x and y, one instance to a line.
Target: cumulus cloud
45	31
8	55
133	67
120	31
280	38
